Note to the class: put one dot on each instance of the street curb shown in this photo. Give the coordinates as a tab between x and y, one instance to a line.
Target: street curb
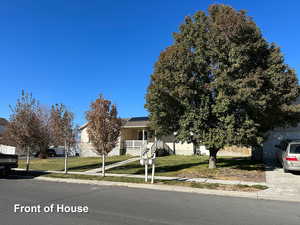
259	195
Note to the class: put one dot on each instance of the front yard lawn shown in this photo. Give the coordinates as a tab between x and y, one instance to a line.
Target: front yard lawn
241	168
74	163
180	166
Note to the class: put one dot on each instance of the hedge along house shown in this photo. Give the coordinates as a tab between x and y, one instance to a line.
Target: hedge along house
135	134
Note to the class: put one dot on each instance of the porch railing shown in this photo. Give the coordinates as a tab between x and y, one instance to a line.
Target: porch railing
134	143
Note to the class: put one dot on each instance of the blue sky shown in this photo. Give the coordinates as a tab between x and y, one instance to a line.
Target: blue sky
69	51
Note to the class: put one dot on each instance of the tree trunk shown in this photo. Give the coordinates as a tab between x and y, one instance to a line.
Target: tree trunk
103	165
27	160
212	159
66	158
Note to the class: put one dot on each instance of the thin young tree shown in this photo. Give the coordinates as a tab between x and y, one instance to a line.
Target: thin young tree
103	127
69	132
24	125
221	83
44	132
62	129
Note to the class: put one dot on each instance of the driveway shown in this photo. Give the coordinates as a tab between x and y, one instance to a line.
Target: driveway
280	183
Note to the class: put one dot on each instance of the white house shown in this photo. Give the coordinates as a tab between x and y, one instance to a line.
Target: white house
135	133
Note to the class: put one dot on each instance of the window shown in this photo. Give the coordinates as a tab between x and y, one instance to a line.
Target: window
140	135
295	148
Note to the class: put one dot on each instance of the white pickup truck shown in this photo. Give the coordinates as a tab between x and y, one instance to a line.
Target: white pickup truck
7	162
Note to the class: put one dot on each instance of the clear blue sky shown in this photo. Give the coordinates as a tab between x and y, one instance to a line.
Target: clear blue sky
69	51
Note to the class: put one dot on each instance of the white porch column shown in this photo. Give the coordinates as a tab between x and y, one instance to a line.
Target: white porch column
143	137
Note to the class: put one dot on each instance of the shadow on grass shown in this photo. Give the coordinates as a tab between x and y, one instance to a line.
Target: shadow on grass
158	169
92	166
86	167
240	163
173	168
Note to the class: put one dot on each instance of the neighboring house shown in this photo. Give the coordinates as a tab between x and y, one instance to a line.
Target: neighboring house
135	133
5	146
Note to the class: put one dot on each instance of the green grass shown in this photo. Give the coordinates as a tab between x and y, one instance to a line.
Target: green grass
181	166
197	166
74	163
166	166
247	188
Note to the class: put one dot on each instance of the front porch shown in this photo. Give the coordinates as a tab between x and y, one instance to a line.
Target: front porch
134	138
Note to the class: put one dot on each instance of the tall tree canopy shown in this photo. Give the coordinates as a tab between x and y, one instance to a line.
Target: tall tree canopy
221	83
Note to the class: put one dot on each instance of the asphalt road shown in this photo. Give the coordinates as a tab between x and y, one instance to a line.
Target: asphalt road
119	205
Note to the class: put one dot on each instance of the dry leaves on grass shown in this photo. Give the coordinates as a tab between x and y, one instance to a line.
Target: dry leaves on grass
227	174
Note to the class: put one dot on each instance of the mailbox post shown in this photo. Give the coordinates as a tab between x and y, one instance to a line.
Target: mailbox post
149	160
146	161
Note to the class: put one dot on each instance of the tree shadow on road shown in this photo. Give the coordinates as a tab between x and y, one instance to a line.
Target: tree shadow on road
23	175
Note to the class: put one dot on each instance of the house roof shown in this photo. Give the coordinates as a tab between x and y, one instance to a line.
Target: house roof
129	122
137	122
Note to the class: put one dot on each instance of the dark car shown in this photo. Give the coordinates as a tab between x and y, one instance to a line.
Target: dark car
7	162
50	153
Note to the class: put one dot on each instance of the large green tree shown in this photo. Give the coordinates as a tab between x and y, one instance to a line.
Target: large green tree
221	83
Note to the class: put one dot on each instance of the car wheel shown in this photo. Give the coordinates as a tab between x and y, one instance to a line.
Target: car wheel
2	172
285	170
5	172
